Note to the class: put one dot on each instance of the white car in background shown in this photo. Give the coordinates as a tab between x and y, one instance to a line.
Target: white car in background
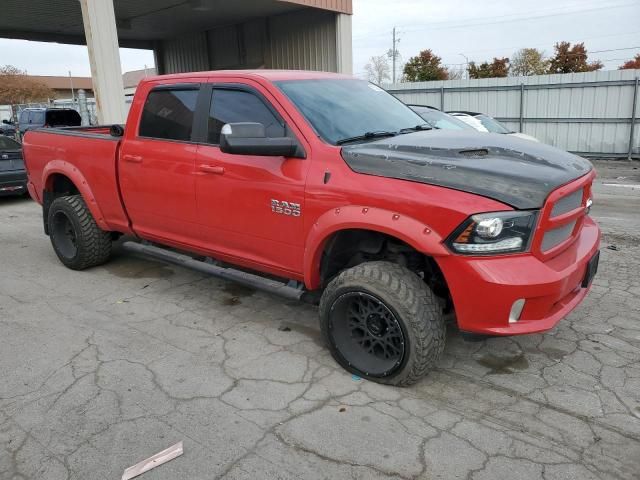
485	123
438	119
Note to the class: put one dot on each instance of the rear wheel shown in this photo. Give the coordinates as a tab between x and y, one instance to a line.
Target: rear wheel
75	236
382	322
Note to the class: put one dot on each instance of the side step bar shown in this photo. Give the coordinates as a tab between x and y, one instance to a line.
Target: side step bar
210	268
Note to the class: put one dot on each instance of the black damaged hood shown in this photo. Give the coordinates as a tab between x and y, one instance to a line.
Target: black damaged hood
518	172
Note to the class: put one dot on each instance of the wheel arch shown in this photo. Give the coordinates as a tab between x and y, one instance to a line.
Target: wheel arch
59	178
403	228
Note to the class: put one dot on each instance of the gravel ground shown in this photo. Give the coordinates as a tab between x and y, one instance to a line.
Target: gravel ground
103	368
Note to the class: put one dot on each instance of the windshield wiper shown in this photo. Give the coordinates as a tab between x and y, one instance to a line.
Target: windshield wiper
422	126
367	136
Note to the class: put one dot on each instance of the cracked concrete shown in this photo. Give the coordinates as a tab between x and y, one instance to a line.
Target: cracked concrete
101	369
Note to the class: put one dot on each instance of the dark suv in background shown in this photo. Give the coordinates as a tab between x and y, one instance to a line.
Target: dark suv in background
13	176
32	118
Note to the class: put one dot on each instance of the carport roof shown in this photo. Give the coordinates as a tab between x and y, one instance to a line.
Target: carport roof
140	22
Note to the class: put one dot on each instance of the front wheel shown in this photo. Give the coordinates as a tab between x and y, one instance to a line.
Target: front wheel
75	236
382	322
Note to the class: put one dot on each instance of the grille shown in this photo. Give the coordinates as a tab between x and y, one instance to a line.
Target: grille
562	217
568	203
556	236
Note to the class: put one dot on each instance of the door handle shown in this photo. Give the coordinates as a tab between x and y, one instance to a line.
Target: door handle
211	169
132	158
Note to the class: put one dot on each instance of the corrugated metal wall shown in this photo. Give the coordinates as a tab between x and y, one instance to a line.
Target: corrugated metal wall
588	113
185	54
304	39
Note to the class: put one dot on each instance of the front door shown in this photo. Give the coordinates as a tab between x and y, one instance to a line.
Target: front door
250	206
157	166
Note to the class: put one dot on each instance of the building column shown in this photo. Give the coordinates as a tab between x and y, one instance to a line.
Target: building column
104	55
344	47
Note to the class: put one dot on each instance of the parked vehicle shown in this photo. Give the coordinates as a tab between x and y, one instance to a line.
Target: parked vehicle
13	176
438	119
7	128
334	186
32	118
485	123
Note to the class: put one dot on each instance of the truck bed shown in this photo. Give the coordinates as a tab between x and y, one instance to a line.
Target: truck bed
92	153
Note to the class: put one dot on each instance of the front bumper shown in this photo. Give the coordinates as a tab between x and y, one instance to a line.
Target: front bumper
13	183
484	289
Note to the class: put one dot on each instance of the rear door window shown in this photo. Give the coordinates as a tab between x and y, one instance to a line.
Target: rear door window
37	118
233	106
63	118
168	114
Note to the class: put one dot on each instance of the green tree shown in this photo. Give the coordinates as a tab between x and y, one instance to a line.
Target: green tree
425	67
528	61
572	59
498	68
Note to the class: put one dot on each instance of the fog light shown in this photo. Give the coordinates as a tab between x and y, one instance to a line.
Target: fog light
516	310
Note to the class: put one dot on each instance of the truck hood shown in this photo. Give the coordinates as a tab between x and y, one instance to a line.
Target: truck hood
510	170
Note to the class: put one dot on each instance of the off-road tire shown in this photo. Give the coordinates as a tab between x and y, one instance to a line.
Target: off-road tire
92	245
414	305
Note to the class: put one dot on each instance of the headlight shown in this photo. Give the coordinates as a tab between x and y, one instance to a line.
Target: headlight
490	233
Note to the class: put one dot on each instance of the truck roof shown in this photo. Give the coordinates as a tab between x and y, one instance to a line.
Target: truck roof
270	75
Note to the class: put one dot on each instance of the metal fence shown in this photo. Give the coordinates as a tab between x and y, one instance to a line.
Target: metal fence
10	112
592	114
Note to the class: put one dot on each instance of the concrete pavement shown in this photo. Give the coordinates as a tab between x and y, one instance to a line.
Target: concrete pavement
103	368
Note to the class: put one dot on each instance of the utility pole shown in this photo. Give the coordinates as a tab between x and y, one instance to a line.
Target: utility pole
466	70
73	96
393	53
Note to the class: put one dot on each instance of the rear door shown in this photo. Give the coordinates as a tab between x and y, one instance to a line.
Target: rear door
156	166
23	121
250	206
36	119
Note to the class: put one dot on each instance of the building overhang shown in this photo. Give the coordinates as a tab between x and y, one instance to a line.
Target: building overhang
142	22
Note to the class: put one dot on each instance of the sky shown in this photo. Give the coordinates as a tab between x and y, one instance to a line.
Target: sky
483	29
453	29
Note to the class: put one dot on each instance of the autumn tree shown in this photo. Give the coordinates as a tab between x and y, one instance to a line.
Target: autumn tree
498	68
425	67
572	59
528	61
378	69
17	87
635	63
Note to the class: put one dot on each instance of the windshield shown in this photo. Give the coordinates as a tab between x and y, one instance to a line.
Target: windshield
441	120
345	108
492	124
8	144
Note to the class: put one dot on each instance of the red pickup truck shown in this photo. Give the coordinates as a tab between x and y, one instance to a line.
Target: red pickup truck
340	191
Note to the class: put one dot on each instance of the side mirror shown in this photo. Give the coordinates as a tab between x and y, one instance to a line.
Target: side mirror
248	138
6	122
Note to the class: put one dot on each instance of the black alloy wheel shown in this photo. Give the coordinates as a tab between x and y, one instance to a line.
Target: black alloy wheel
64	235
367	334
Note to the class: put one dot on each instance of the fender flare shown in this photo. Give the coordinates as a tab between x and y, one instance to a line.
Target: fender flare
70	171
411	231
